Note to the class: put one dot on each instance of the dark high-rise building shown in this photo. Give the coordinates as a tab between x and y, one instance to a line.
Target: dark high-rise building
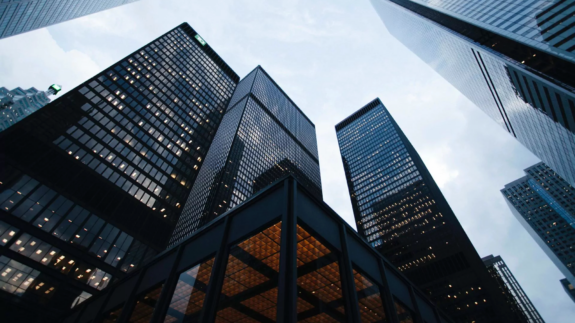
263	136
20	16
509	286
400	211
17	104
568	287
544	203
514	59
281	256
92	185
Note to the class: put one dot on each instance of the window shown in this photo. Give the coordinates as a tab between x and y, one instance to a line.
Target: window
249	292
145	306
369	297
404	314
320	297
188	298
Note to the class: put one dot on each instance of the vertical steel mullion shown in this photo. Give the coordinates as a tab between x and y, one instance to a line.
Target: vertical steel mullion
287	288
418	316
388	301
168	289
217	277
436	314
130	303
347	280
99	317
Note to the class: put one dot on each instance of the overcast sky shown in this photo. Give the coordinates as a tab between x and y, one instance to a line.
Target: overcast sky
331	57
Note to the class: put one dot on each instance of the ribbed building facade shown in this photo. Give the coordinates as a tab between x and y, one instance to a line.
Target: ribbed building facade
92	185
18	103
400	211
509	286
19	16
495	54
263	137
544	204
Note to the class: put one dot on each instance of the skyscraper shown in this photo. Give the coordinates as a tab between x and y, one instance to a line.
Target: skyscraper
17	104
400	210
544	204
20	16
509	286
92	185
514	59
263	136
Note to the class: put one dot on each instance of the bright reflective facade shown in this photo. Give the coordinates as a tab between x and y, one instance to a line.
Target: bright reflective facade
19	16
511	289
281	256
523	84
263	136
544	204
92	185
401	212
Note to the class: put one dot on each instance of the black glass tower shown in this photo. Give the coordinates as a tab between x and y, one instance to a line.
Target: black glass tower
263	136
19	16
544	204
92	185
400	211
514	59
281	256
509	286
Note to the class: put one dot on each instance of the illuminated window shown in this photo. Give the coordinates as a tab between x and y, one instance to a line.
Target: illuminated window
320	297
404	314
249	292
145	306
188	298
369	297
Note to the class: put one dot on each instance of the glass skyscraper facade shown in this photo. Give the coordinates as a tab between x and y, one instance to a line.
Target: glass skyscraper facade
544	204
18	103
92	185
400	211
20	16
569	288
263	137
513	59
510	287
281	256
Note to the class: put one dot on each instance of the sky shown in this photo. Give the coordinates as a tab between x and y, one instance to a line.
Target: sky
331	57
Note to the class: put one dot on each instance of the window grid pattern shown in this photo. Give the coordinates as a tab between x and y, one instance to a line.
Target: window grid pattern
42	207
18	16
25	282
17	104
545	24
251	149
398	214
545	204
151	119
537	111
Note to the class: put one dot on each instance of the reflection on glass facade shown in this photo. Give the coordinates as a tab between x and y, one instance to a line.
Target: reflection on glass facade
92	184
402	213
17	104
263	136
495	59
544	24
19	16
569	288
544	204
282	256
509	286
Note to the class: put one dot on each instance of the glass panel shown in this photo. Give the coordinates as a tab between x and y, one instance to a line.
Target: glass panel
403	313
7	232
113	315
22	281
145	306
369	297
320	298
249	292
188	298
